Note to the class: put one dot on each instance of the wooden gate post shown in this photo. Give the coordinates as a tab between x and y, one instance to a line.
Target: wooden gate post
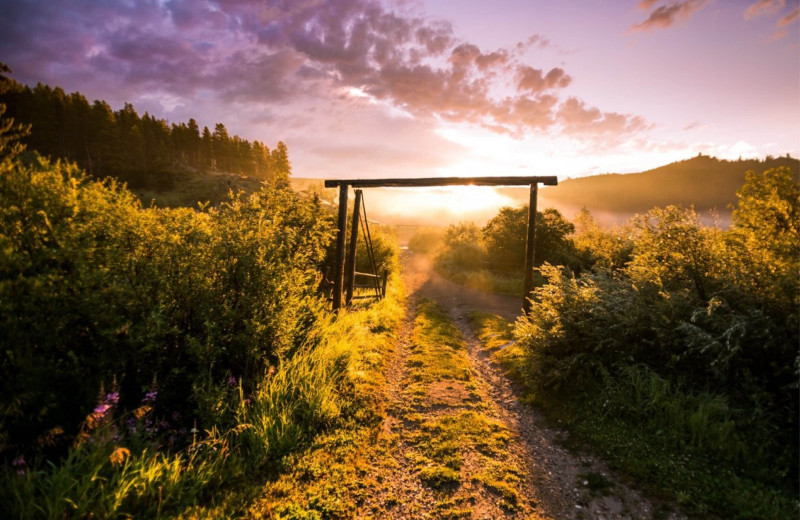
350	269
338	272
530	250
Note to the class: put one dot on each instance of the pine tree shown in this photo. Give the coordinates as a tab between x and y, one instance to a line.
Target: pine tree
10	132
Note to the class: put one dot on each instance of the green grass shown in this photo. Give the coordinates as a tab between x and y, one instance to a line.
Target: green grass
656	452
461	445
317	415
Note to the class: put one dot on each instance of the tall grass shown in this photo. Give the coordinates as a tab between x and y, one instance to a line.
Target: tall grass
202	331
333	380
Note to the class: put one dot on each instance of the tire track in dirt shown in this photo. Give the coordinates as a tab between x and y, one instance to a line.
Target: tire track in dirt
553	476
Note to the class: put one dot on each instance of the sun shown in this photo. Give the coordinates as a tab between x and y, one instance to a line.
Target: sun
468	199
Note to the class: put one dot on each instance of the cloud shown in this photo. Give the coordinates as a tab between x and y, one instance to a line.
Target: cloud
763	7
646	5
772	7
532	80
276	53
666	15
577	119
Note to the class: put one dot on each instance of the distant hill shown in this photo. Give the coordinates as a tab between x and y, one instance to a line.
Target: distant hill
705	182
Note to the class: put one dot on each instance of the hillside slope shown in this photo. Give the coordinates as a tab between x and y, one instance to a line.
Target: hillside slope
705	182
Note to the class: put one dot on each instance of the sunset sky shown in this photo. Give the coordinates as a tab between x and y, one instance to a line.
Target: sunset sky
437	87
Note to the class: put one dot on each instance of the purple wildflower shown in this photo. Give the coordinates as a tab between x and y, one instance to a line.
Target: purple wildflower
20	465
231	381
112	398
150	397
101	409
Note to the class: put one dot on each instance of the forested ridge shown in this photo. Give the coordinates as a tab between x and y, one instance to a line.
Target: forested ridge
141	150
707	183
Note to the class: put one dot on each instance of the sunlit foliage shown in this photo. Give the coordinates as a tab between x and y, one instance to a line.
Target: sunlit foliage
696	335
95	289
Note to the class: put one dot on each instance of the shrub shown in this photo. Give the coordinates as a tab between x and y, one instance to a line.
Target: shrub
96	290
704	322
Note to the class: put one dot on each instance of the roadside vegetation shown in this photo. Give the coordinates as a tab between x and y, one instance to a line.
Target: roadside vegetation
492	258
167	362
674	352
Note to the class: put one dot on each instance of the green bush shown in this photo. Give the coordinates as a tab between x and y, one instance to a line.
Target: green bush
96	291
426	241
696	335
504	238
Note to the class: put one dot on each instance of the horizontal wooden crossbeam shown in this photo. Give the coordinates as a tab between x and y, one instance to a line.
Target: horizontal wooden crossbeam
548	180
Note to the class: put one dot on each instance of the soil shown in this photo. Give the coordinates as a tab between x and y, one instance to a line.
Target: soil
554	480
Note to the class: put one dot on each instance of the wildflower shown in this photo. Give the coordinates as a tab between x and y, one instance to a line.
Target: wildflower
101	409
119	455
271	371
150	397
112	398
20	465
231	381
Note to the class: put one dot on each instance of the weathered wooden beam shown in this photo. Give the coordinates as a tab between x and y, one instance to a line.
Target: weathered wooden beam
530	250
369	275
338	268
351	254
550	180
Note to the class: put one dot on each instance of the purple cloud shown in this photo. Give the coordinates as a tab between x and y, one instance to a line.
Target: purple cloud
276	51
666	15
772	7
577	119
762	7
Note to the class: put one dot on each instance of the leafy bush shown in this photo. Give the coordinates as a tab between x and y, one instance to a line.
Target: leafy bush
504	238
426	241
384	249
461	248
97	291
697	335
598	248
333	381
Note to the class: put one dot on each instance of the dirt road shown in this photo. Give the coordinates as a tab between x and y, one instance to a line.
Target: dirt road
529	474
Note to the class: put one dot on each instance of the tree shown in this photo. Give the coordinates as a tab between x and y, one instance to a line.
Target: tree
462	249
281	168
10	132
766	234
221	147
193	141
600	248
504	239
206	149
673	250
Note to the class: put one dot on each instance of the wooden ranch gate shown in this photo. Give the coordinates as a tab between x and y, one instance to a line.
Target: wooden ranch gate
344	185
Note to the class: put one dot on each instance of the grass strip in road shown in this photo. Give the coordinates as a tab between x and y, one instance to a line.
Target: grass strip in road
457	446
